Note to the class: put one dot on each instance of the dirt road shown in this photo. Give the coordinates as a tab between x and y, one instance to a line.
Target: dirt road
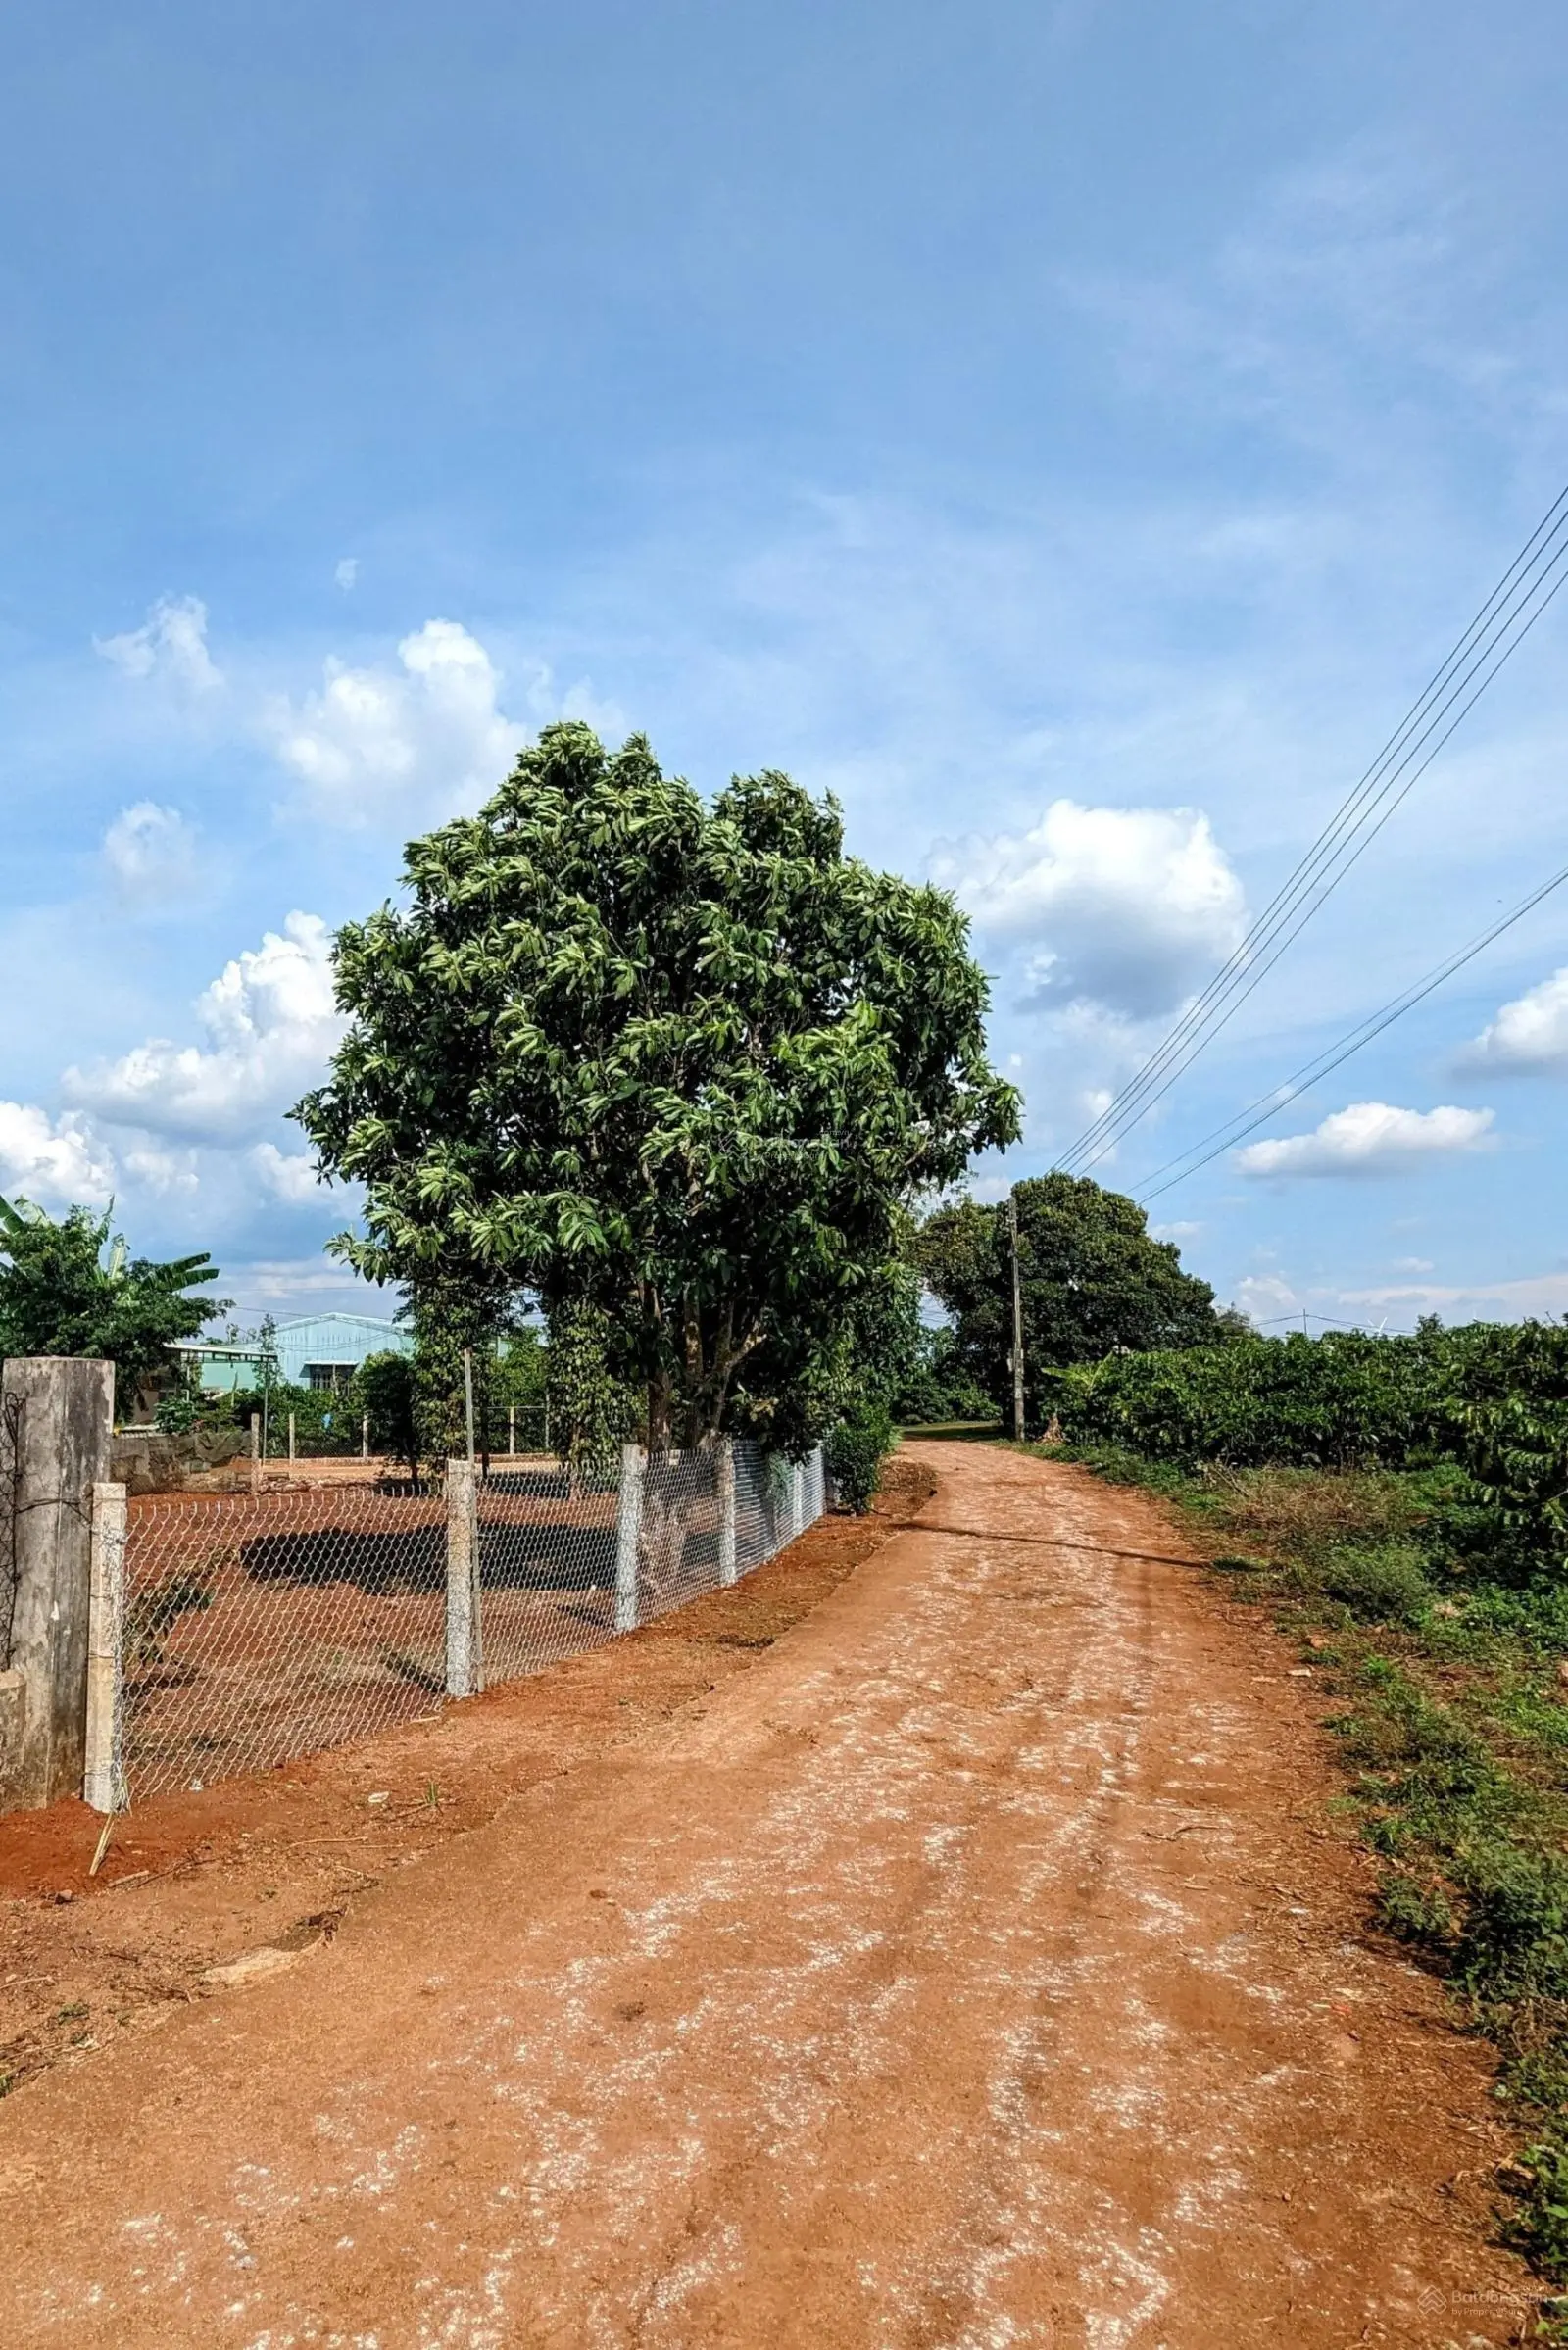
974	1970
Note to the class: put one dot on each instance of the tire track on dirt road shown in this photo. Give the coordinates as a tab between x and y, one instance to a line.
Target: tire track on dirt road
965	1975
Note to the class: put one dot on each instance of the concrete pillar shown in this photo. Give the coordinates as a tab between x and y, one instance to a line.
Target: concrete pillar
628	1537
103	1785
464	1641
725	1470
55	1420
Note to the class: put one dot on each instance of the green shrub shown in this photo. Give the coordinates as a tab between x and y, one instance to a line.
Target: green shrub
854	1453
1385	1585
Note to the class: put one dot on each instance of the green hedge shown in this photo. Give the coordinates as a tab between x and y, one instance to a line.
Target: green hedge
1492	1397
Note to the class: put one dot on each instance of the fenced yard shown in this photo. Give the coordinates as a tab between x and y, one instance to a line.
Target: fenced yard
246	1630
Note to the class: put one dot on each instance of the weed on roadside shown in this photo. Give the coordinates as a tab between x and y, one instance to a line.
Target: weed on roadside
1452	1669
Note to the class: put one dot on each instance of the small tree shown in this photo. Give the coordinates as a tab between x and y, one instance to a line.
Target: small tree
66	1287
1093	1282
678	1064
592	1413
384	1390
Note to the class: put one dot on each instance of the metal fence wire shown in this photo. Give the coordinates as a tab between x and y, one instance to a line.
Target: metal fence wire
245	1630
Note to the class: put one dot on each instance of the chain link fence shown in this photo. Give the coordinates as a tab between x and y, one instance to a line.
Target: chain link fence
239	1632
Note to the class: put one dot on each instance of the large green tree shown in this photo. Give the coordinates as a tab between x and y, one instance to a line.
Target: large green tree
68	1287
1091	1278
682	1063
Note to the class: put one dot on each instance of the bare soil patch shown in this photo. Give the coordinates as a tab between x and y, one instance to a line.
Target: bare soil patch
976	1963
190	1879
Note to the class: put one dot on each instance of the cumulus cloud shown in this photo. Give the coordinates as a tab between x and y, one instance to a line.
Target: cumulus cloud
1530	1299
171	644
1266	1298
55	1161
158	1169
1129	909
347	572
290	1176
271	1023
1528	1036
1370	1137
150	852
426	738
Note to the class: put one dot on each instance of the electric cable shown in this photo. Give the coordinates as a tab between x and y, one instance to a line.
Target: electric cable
1507	616
1268	1106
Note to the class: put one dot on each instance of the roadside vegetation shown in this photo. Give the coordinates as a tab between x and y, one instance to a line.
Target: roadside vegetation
1398	1504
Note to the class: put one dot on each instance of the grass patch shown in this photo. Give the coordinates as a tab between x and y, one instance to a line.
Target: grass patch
1452	1668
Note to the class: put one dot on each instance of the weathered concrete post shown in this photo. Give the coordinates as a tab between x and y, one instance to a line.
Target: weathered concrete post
58	1414
464	1656
727	1511
102	1784
256	1452
628	1535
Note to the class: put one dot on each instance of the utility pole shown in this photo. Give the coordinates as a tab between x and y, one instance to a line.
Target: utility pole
1018	1319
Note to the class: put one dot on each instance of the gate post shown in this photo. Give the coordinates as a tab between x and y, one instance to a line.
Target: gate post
56	1413
103	1785
628	1537
727	1511
465	1644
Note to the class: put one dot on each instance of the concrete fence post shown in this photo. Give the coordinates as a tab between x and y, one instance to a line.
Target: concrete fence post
725	1474
256	1452
102	1784
364	1436
511	1432
464	1632
56	1417
797	1499
628	1535
291	1440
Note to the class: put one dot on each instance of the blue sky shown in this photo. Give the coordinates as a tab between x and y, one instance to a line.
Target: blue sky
1072	433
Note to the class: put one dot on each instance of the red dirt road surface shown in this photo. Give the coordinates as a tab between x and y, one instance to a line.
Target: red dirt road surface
973	1970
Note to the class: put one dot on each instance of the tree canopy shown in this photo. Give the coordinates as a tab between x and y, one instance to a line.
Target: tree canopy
1091	1281
66	1289
681	1064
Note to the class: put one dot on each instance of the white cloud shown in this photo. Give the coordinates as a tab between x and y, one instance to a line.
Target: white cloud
423	742
1125	908
303	1284
1528	1035
1370	1137
1413	1264
171	644
160	1170
1266	1298
271	1023
1536	1294
290	1176
150	852
55	1161
347	572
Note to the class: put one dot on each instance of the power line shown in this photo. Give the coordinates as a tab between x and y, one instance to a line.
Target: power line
1267	1106
1515	605
1269	939
1506	617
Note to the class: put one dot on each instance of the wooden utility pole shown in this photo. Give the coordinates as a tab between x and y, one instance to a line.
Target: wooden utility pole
1018	1319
